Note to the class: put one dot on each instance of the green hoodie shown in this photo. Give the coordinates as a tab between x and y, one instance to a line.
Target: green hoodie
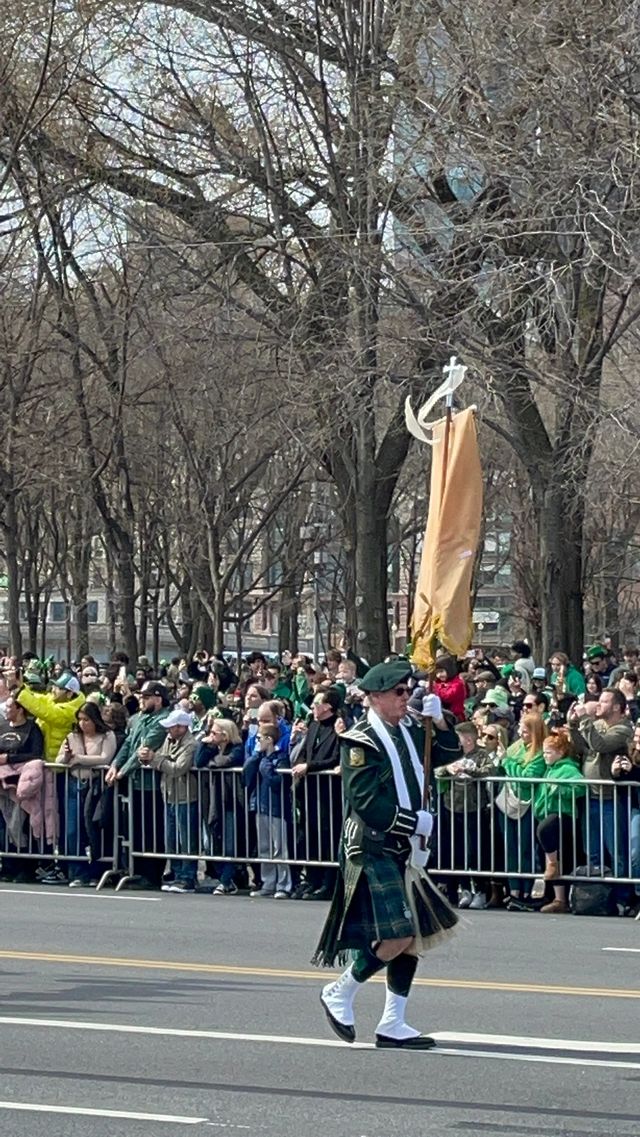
515	765
559	799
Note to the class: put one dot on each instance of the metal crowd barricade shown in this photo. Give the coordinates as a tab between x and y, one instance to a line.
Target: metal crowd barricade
219	823
58	816
219	820
487	835
477	840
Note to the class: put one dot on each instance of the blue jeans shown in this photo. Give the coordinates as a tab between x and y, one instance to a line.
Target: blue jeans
76	833
181	834
608	838
520	849
228	869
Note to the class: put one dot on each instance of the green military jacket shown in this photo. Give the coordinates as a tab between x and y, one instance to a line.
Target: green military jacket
373	816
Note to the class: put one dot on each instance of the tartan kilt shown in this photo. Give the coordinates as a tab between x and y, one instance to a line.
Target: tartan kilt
370	903
378	908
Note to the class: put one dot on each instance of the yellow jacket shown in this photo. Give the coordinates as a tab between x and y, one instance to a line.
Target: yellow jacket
54	719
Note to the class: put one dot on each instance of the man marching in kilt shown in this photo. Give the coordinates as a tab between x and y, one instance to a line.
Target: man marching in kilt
385	909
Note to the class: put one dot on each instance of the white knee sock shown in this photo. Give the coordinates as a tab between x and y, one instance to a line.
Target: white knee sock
392	1024
338	996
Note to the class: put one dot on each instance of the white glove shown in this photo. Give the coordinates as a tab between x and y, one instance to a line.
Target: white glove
419	856
425	824
432	706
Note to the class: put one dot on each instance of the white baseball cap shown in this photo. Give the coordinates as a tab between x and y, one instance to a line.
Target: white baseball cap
177	718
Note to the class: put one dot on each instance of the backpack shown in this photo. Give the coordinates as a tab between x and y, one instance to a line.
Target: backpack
593	897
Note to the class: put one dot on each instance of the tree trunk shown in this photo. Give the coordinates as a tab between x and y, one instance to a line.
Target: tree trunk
13	582
81	624
288	616
560	524
125	577
43	623
370	563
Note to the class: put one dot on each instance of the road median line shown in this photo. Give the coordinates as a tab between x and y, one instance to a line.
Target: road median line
316	976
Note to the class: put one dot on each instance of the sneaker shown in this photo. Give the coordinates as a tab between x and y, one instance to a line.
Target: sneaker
180	886
166	887
517	905
281	895
479	901
79	883
301	891
259	892
465	898
55	876
207	883
225	890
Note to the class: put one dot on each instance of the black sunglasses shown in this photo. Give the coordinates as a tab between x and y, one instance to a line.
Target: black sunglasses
400	690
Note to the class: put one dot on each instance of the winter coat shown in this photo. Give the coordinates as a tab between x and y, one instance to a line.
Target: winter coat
453	694
599	744
221	787
54	719
175	760
143	730
29	787
269	791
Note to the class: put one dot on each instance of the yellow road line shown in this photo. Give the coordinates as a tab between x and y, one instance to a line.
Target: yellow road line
287	973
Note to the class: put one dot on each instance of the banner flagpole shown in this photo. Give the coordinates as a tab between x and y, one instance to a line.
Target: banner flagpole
454	375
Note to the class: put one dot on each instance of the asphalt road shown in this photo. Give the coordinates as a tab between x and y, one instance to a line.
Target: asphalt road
157	1015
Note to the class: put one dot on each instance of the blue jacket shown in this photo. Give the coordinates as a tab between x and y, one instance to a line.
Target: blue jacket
269	792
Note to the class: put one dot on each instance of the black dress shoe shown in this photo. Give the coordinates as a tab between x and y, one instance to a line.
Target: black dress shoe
420	1042
344	1033
319	894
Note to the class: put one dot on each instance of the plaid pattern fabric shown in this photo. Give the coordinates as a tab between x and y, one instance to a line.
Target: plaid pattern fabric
375	902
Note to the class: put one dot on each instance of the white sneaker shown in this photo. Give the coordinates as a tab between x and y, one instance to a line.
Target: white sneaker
280	895
166	887
464	900
479	900
255	892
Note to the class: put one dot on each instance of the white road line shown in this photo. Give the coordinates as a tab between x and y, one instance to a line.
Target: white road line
83	1111
72	895
630	949
517	1042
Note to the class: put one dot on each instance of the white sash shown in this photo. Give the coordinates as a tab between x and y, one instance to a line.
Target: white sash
383	735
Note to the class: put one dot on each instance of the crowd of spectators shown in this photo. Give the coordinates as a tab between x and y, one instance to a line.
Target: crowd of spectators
219	764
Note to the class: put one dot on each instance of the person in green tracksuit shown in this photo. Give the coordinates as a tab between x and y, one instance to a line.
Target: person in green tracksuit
555	808
522	762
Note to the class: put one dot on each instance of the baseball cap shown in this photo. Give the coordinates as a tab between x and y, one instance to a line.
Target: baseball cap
177	718
496	696
153	688
89	673
67	682
539	673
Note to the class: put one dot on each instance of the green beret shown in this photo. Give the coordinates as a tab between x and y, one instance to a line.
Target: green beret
385	676
596	652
